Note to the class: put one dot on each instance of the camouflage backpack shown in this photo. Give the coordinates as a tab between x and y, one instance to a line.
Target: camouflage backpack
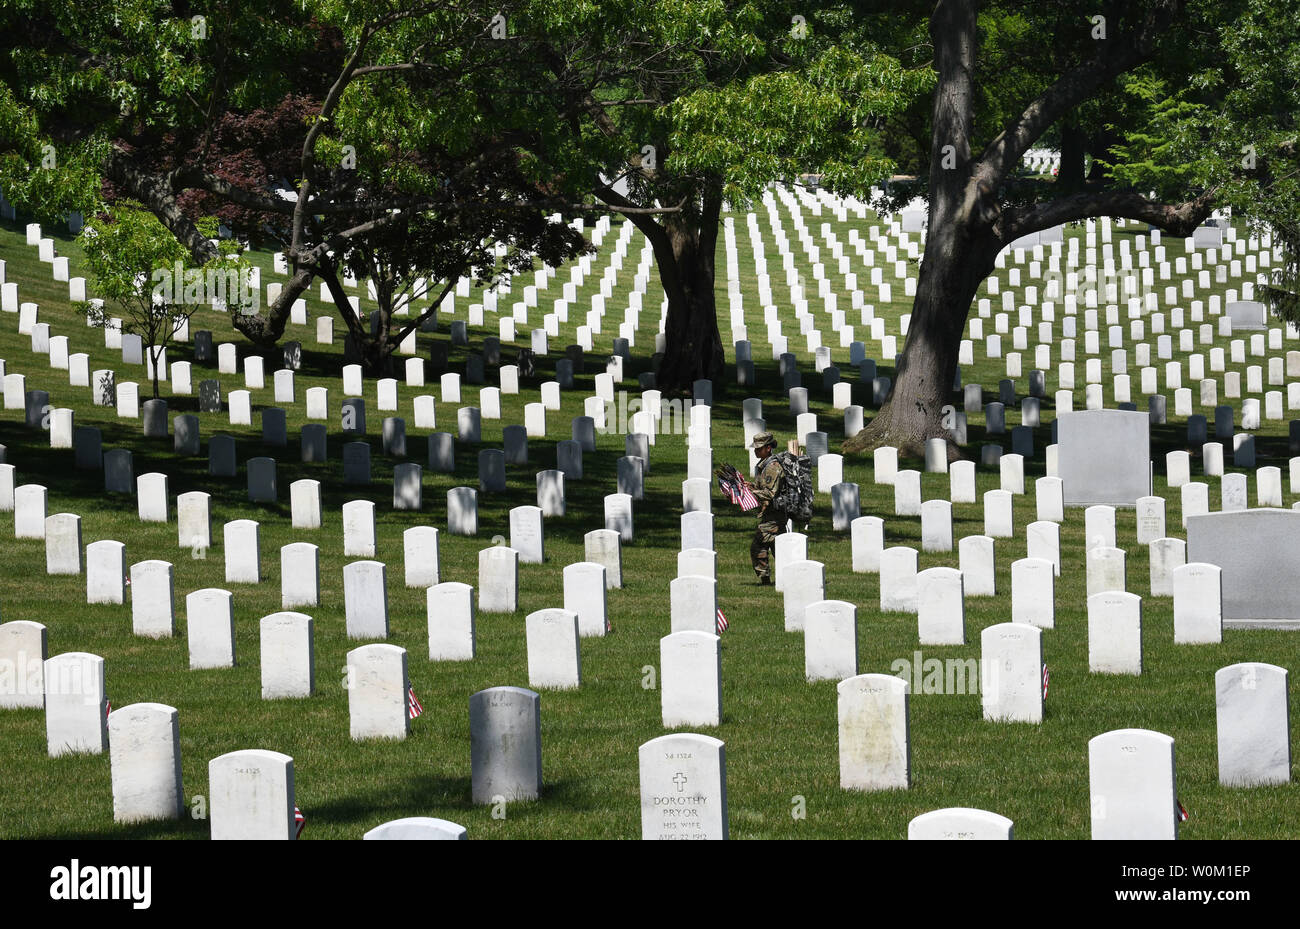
796	494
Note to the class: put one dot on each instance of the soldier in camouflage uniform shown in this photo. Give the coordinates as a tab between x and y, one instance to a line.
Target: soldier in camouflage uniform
771	521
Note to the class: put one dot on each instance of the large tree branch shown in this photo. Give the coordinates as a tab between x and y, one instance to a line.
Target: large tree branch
429	311
157	193
265	329
669	272
1114	57
196	178
1177	219
308	157
638	216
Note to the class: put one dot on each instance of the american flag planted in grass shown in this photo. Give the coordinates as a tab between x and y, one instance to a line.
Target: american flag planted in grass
735	488
414	707
722	623
300	821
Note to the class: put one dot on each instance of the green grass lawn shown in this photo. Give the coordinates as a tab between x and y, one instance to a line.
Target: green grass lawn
780	732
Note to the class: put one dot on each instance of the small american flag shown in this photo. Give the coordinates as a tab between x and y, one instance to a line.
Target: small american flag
108	707
734	486
722	623
1182	812
300	821
1046	677
414	707
609	627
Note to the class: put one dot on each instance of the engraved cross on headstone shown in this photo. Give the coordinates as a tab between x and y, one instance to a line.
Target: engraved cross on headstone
680	780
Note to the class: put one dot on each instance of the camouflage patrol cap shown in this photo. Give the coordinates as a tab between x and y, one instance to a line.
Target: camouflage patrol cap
762	440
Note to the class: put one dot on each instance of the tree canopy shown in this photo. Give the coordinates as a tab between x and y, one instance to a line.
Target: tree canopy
340	130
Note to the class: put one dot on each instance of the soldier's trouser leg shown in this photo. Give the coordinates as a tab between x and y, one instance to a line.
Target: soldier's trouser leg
760	549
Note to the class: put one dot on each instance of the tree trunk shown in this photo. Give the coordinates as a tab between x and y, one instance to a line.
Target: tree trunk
959	252
265	330
685	254
968	225
1099	144
956	261
376	351
1073	144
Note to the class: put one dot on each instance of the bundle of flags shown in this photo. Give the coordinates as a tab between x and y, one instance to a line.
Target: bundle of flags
735	488
414	707
722	623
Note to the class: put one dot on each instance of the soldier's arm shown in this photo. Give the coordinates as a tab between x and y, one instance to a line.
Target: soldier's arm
767	483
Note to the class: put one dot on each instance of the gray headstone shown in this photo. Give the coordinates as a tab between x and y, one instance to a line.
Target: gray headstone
491	470
584	433
394	436
119	473
353	416
274	429
1256	551
845	506
407	486
185	435
356	463
261	479
515	441
88	448
313	442
154	417
209	396
442	452
1104	457
505	745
